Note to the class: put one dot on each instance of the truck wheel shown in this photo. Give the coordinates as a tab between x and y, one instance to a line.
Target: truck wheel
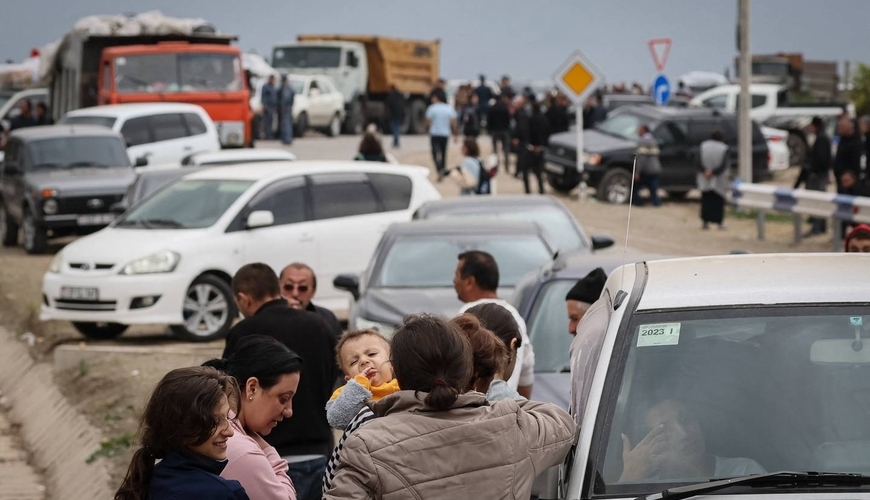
35	238
8	228
334	128
561	183
301	125
100	331
353	122
417	117
797	149
208	311
615	186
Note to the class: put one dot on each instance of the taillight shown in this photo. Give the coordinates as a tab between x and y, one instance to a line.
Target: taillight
775	138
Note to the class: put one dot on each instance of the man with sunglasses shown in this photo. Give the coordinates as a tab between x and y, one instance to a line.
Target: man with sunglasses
298	286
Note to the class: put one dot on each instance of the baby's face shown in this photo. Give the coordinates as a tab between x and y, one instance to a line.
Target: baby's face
368	355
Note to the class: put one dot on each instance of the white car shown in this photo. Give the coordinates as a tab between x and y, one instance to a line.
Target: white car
170	259
317	104
156	133
777	146
689	371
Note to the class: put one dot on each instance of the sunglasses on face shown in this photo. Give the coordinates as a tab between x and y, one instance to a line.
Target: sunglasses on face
289	287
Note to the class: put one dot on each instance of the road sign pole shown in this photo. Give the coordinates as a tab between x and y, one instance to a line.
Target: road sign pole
744	125
581	167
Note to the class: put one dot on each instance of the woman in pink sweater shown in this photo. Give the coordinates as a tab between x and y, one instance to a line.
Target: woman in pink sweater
268	374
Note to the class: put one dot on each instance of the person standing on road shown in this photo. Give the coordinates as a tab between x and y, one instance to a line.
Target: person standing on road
714	170
505	87
286	103
498	123
439	90
441	124
848	158
557	114
298	286
521	135
433	363
270	107
468	117
186	427
476	282
396	110
816	174
306	440
267	373
582	295
484	96
649	168
539	138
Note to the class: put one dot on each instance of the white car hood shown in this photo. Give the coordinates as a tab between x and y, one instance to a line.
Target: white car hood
122	245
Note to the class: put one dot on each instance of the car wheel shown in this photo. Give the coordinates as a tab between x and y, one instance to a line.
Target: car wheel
334	126
301	125
8	228
100	331
562	183
615	186
35	238
209	310
797	149
353	122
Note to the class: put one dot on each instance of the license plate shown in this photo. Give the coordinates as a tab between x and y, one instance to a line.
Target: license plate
95	219
556	169
79	293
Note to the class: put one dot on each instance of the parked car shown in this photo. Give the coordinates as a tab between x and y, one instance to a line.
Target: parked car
317	104
615	101
156	133
170	259
777	146
11	100
413	267
609	150
749	363
58	181
236	156
563	230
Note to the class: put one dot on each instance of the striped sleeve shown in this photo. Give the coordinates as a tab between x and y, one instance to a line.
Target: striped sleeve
362	418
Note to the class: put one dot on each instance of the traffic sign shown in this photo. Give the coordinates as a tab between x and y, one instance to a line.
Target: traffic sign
577	77
660	59
662	90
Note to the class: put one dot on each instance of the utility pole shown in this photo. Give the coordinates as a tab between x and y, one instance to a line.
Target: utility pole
744	143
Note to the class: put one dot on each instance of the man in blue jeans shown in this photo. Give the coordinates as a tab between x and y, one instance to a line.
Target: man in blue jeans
396	110
441	123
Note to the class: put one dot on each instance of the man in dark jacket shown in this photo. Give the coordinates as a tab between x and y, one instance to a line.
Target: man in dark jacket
440	90
305	440
269	98
484	95
539	137
557	115
396	110
25	118
498	122
298	286
521	134
818	169
849	152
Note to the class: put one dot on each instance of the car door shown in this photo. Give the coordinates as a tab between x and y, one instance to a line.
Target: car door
317	105
291	238
333	100
171	138
674	156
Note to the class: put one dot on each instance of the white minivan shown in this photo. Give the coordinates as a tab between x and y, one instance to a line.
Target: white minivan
156	133
170	259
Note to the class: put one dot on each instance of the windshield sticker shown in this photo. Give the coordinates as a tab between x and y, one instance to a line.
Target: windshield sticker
659	334
857	320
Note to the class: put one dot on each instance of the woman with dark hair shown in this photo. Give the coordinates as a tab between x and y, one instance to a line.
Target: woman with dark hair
488	353
370	149
186	427
267	373
433	441
501	322
471	175
714	169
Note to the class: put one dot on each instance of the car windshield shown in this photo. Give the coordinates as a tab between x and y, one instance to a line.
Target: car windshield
561	231
187	204
178	72
548	327
78	151
516	255
102	121
145	185
697	395
306	57
623	125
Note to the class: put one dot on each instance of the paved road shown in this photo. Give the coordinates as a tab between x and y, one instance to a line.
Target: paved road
18	480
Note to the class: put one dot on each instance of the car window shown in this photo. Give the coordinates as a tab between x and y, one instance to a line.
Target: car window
718	102
548	327
168	126
758	100
186	204
285	199
313	86
516	255
671	133
393	190
622	125
195	124
77	151
341	195
101	121
700	131
137	131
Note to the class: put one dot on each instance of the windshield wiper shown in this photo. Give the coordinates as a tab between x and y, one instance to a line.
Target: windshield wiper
774	479
150	223
82	164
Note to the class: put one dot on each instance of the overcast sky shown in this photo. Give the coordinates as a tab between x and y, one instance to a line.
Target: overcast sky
526	39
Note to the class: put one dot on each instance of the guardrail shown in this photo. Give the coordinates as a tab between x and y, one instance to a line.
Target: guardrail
837	207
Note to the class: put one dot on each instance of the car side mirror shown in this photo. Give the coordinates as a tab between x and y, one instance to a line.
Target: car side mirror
348	283
141	161
599	242
260	218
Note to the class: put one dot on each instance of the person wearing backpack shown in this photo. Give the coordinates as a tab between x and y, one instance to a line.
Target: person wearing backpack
471	175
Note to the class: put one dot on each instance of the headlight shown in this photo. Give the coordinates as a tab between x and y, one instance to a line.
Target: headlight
50	206
382	328
56	263
591	159
160	262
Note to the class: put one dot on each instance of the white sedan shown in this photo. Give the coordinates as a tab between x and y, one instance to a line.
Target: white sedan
317	104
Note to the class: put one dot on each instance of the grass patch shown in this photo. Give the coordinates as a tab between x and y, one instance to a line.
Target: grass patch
112	447
752	214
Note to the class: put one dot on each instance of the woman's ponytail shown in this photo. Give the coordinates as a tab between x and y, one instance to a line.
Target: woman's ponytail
442	395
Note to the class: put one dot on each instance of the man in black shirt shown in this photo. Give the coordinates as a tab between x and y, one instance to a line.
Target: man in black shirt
305	440
849	152
817	172
396	111
521	134
498	122
298	286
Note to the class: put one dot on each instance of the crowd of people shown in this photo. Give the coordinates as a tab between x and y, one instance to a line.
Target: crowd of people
440	409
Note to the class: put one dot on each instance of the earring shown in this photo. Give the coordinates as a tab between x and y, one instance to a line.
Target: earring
251	397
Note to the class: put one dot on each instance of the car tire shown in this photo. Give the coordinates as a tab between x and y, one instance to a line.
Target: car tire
562	183
615	186
353	122
209	310
100	331
8	228
417	117
301	125
35	237
334	128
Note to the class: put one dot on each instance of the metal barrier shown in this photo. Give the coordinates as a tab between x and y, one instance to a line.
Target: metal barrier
837	207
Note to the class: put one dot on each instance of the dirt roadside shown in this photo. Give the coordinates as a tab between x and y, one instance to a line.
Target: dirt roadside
111	391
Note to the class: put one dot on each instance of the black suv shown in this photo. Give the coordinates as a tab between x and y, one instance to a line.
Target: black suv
611	145
60	180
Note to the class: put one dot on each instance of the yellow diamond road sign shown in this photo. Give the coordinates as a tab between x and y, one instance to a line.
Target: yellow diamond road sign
578	77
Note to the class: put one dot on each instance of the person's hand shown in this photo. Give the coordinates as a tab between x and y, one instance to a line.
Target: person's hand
642	461
708	173
294	303
364	381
